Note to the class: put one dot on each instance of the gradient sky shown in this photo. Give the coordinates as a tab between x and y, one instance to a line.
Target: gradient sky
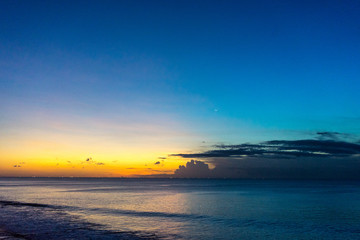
125	84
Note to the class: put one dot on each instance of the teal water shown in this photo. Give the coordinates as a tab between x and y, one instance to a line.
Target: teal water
179	209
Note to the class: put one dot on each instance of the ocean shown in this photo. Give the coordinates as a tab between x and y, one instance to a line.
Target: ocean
107	208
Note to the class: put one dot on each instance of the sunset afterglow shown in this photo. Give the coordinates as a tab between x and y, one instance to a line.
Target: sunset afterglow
139	86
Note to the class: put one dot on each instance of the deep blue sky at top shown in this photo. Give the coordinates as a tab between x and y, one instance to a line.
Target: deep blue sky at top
276	64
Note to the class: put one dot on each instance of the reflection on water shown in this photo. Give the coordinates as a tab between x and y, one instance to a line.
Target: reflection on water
201	209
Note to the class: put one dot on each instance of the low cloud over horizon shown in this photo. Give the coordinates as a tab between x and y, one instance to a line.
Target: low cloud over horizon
321	158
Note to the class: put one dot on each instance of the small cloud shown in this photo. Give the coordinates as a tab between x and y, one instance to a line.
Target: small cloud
157	163
162	171
336	136
18	165
328	135
90	161
161	157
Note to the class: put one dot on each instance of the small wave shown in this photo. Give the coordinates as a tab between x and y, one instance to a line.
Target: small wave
106	210
148	214
20	204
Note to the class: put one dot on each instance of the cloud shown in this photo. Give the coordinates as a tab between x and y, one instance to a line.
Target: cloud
335	136
277	159
160	163
162	158
18	165
90	161
283	148
193	169
162	171
329	135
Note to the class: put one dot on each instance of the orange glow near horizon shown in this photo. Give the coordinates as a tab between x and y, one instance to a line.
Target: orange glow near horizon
56	153
96	165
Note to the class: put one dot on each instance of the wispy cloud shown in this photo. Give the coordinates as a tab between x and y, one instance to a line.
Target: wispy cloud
283	148
335	136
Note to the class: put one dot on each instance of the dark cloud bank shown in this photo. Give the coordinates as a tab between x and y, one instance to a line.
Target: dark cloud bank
278	159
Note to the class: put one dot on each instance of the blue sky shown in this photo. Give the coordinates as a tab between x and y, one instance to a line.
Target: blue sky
221	71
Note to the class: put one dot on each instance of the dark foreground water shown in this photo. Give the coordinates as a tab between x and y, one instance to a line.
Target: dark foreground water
179	209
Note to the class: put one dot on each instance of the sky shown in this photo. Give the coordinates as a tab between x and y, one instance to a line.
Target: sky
134	88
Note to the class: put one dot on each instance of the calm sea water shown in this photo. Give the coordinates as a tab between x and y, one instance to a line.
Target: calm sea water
179	209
